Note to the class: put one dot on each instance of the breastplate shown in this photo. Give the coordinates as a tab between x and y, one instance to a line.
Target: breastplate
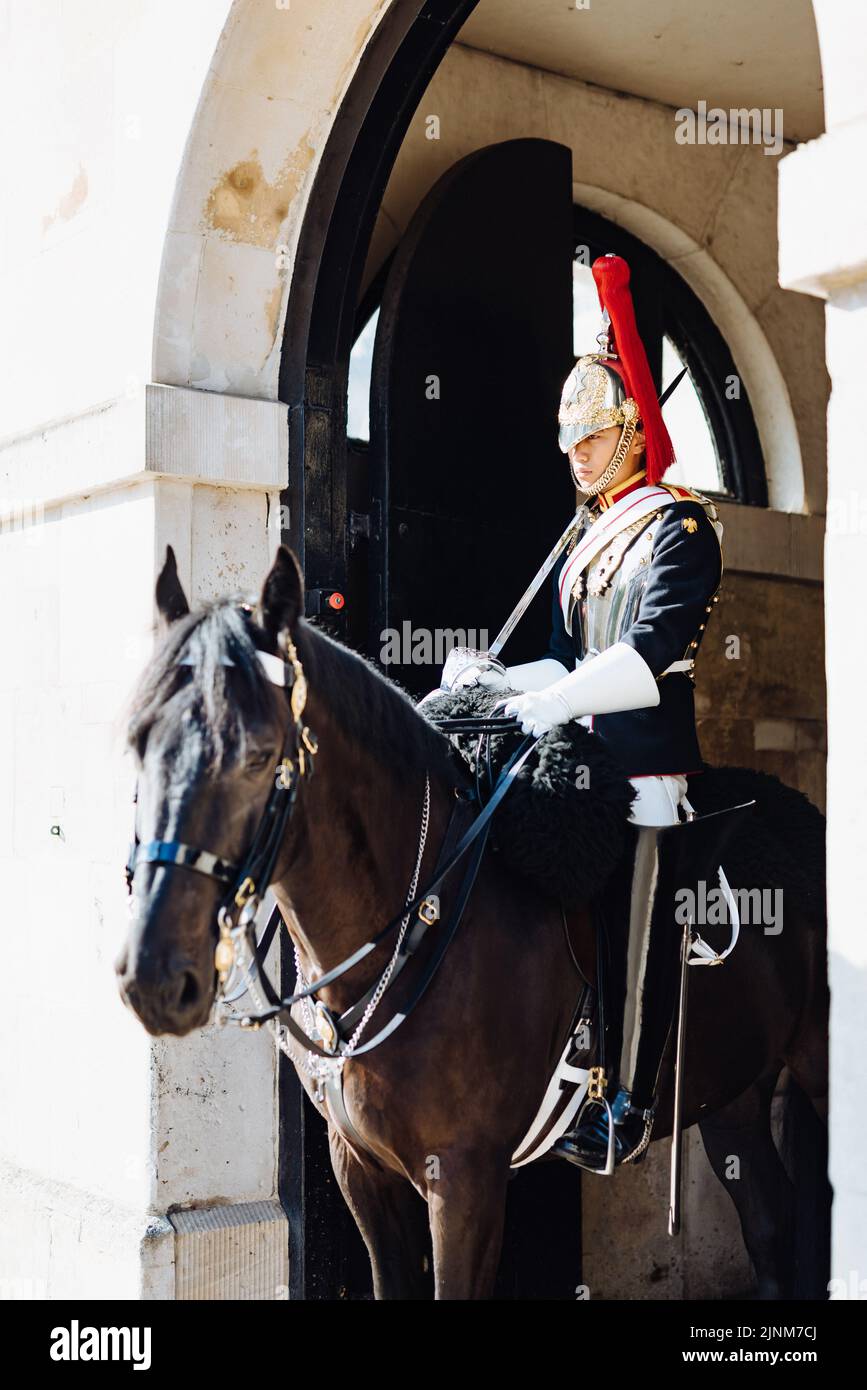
607	595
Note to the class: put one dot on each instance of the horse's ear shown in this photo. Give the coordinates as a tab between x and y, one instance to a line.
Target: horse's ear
282	601
171	599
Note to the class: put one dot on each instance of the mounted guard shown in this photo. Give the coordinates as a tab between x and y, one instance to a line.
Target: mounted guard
227	810
636	576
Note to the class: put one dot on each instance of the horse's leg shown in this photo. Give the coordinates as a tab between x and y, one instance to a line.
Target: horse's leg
804	1147
467	1205
757	1182
392	1220
807	1060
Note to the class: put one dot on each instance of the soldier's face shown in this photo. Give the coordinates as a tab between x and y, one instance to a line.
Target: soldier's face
592	455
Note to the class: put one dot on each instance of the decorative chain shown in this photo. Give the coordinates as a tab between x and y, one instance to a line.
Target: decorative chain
320	1068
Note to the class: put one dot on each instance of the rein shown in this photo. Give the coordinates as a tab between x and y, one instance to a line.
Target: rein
249	882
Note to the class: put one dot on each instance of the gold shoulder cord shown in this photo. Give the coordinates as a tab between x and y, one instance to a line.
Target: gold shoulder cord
712	514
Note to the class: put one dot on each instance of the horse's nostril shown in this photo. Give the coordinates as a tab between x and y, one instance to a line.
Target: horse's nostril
189	994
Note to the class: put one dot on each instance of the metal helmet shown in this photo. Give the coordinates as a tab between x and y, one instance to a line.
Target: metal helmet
594	397
614	385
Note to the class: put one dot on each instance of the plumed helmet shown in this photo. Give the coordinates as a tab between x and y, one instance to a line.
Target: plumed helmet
614	386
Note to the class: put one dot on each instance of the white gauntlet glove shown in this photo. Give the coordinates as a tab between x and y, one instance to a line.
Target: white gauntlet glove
617	679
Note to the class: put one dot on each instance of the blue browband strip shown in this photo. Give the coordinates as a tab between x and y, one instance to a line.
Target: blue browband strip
173	852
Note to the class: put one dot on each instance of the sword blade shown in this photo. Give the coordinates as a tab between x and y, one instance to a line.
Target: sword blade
534	586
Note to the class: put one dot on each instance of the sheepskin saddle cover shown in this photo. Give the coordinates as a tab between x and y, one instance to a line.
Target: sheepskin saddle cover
564	824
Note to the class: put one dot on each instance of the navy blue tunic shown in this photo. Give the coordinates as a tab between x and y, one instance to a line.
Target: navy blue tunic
684	574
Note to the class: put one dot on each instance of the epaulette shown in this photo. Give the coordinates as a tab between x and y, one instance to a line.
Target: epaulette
684	494
688	494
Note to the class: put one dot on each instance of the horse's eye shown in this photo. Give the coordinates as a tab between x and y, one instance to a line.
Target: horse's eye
254	762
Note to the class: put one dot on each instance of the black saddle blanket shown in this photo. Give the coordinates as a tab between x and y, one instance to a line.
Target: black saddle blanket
563	824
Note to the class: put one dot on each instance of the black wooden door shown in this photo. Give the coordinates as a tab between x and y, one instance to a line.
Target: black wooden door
473	343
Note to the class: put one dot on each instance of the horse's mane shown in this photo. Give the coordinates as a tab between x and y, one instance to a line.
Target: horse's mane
374	709
219	632
369	707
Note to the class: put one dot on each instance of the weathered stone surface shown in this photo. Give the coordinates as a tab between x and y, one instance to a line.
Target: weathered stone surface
760	681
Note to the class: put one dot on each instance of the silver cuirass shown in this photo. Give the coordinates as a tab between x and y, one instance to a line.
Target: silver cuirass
606	596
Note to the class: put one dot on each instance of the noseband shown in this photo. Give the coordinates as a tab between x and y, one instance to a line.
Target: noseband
249	880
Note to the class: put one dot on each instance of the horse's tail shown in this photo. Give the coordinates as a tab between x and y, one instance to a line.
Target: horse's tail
804	1152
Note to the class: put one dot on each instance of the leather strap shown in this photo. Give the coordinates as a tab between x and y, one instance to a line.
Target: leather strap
475	835
284	1015
174	852
461	814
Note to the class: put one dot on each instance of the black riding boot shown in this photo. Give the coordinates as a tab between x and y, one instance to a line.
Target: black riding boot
667	860
639	942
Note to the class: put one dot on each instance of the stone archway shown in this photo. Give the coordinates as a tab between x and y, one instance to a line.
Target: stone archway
833	266
275	128
229	308
753	354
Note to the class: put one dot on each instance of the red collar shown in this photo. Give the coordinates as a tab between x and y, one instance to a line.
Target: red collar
611	495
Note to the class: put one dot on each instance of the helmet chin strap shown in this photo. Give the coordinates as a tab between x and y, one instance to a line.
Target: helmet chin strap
624	444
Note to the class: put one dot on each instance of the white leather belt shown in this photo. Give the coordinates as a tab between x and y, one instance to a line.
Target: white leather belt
685	665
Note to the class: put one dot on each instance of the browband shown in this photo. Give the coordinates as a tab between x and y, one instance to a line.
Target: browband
278	671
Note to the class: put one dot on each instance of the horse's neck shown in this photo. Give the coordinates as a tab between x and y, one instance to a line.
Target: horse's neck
353	870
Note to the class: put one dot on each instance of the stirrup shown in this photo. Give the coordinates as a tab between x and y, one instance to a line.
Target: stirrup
602	1128
589	1135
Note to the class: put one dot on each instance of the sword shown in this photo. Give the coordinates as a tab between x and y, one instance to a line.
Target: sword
535	584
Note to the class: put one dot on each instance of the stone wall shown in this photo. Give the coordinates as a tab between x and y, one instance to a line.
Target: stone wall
760	681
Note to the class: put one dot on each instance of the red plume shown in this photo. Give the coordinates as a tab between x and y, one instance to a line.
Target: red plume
611	274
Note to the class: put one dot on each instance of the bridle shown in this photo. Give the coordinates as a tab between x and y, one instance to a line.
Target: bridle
248	881
239	952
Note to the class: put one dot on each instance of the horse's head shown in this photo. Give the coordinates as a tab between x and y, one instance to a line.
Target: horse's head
207	729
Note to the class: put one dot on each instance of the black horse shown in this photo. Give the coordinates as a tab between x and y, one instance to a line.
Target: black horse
442	1105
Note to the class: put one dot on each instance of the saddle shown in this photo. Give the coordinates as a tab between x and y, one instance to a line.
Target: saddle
564	824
